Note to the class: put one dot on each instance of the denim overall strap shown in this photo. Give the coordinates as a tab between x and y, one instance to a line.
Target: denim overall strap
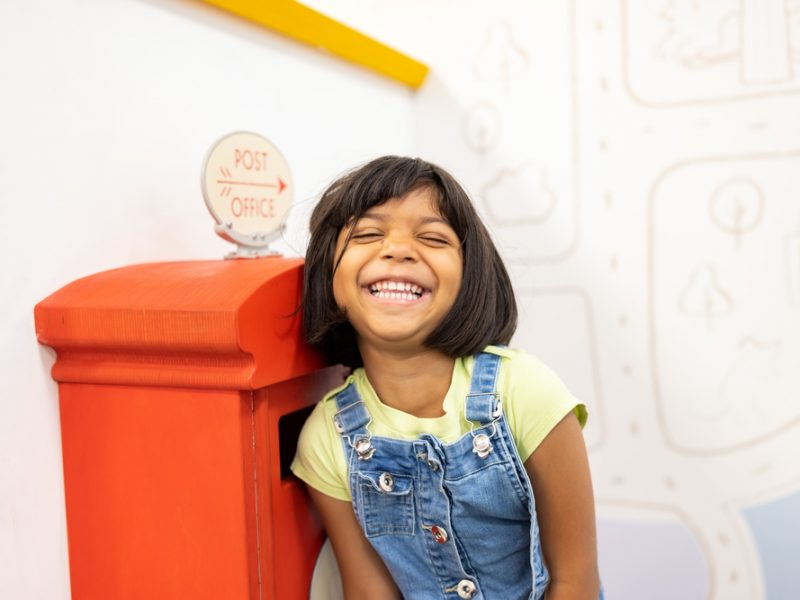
484	406
351	421
483	403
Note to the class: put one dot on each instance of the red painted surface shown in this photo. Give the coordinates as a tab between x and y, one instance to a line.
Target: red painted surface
173	379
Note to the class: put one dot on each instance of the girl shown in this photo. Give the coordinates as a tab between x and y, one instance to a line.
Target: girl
424	463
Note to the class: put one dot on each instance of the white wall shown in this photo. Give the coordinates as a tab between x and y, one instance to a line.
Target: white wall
636	161
106	112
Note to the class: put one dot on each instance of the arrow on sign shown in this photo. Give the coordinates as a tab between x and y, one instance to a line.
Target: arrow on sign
280	185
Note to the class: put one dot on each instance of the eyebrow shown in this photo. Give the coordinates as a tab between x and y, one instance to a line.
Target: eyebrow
379	216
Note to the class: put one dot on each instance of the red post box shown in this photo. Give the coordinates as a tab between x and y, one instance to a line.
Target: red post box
182	388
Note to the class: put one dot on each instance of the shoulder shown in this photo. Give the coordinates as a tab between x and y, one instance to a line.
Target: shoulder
320	421
534	397
320	460
522	371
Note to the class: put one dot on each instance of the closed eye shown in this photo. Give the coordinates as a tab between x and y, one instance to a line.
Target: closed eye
366	236
434	240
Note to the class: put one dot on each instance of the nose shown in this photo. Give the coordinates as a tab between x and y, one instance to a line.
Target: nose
399	248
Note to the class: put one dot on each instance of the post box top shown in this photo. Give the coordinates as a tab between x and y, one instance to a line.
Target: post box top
191	285
223	324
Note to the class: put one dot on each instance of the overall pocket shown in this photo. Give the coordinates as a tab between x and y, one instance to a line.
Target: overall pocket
385	503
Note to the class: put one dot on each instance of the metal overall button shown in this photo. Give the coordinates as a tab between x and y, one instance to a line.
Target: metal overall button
386	482
481	445
364	448
466	588
439	534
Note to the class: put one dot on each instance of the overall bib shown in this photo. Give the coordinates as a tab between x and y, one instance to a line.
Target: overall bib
453	520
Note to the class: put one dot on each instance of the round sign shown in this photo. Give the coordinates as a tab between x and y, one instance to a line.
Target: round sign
247	188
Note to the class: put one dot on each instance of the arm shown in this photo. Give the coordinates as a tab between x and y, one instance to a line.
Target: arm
363	573
559	473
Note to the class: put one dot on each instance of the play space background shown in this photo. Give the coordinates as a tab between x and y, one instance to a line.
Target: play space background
637	162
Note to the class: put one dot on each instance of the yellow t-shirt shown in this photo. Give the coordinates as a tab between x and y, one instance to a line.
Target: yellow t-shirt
534	401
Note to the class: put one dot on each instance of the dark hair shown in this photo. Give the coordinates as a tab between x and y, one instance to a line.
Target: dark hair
484	312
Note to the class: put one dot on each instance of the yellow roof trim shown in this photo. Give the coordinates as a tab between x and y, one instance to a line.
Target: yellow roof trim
307	25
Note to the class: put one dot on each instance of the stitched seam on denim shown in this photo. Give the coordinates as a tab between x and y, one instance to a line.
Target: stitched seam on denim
499	463
400	506
513	465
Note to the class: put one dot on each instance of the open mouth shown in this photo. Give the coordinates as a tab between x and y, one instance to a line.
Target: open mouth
396	290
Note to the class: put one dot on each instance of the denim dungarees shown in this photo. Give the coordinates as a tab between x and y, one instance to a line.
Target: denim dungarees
449	520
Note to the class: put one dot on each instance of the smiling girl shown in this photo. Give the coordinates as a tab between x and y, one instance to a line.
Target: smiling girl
448	465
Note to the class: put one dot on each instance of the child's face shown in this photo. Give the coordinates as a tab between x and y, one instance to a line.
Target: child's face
400	273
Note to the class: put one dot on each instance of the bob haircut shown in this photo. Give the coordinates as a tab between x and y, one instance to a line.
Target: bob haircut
484	311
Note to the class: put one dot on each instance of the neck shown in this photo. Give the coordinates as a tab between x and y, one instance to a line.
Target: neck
414	382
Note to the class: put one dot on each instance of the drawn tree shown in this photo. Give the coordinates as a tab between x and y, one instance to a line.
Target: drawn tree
481	126
736	207
704	297
500	55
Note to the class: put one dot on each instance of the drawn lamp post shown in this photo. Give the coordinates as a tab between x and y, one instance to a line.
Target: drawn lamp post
248	190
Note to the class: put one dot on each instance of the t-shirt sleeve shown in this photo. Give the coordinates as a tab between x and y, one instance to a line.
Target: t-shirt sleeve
536	401
319	460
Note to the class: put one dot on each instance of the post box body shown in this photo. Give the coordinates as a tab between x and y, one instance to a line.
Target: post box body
182	388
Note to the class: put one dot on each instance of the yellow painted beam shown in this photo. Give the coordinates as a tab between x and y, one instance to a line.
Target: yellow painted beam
312	27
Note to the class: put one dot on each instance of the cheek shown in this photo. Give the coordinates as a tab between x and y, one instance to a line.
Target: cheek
337	281
338	291
455	272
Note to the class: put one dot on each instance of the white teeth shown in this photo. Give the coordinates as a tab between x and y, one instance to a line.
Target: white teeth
388	295
400	286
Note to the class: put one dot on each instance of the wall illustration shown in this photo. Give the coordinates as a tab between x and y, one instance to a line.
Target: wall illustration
526	211
519	196
637	164
667	298
736	207
482	127
770	518
703	296
636	532
690	51
494	67
500	56
724	362
565	313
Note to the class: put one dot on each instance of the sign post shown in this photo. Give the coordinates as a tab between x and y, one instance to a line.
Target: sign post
248	189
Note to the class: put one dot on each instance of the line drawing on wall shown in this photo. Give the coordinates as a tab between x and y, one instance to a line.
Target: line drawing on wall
704	296
737	207
500	56
568	311
521	195
767	515
685	52
482	126
750	388
533	206
699	365
652	511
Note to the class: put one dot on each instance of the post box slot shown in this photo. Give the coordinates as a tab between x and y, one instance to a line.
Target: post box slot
289	426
